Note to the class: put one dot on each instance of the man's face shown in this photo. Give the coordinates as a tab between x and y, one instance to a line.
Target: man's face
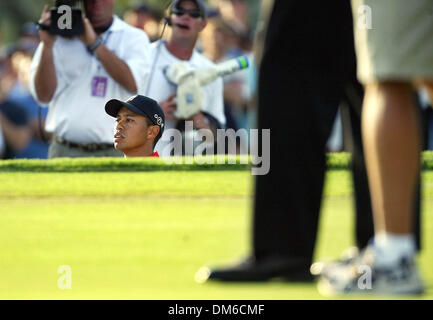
99	12
185	26
133	131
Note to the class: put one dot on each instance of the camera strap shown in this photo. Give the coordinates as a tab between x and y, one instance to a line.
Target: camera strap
99	82
155	60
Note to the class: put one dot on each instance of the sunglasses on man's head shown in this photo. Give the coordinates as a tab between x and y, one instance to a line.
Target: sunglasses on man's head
192	13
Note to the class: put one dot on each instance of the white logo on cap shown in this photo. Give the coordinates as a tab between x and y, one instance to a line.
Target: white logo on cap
132	98
158	120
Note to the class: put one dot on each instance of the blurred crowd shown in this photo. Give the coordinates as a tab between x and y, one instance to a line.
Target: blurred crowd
22	120
229	34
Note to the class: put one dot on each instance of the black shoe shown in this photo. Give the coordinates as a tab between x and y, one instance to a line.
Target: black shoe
295	270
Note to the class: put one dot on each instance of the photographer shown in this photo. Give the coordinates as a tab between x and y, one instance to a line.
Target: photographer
77	75
187	19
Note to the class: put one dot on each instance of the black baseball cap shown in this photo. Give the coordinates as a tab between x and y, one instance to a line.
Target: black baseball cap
200	4
142	105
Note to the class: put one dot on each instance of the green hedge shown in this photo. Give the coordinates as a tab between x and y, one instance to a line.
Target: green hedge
121	164
335	161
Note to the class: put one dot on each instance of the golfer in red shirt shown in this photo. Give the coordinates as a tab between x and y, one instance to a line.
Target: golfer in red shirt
140	124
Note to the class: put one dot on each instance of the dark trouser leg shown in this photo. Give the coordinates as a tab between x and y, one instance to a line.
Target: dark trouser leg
299	92
351	119
307	53
299	107
288	199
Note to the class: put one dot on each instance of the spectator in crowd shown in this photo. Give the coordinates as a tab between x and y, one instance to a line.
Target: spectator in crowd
145	17
312	79
14	129
19	94
187	19
15	132
221	42
2	142
75	77
392	142
236	12
300	84
29	37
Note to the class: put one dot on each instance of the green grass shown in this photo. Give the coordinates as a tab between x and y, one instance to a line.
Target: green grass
335	161
143	235
205	163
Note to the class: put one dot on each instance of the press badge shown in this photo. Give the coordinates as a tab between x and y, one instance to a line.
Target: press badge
99	86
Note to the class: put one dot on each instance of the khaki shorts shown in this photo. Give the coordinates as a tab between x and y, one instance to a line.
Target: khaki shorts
399	46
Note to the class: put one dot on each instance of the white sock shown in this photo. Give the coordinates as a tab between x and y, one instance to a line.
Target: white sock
391	247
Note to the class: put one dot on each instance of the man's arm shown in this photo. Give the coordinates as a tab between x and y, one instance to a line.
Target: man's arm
45	77
169	106
115	67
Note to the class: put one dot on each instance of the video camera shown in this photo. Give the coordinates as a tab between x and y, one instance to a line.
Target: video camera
66	19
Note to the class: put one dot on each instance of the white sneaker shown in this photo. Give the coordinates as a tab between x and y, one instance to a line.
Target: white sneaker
363	276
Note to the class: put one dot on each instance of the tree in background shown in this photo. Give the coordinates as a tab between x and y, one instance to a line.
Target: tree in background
13	14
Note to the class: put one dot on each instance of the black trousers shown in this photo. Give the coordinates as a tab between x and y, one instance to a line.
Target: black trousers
308	68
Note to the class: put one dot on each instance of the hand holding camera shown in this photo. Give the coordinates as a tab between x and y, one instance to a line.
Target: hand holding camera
55	22
44	23
65	19
89	36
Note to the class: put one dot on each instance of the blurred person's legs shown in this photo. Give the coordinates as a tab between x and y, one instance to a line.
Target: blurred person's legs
395	50
351	118
351	110
351	121
392	141
300	85
402	41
